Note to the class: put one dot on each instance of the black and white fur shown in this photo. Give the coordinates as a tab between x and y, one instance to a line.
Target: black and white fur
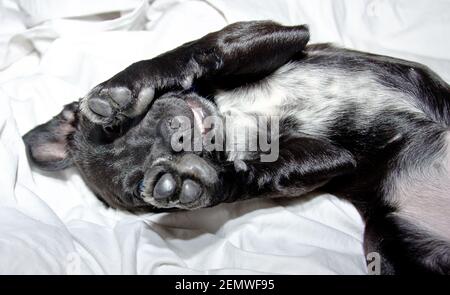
368	128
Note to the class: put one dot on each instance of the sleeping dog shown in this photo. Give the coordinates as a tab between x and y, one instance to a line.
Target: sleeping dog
370	129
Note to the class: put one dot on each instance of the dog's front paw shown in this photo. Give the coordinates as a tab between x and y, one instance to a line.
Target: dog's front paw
114	100
187	183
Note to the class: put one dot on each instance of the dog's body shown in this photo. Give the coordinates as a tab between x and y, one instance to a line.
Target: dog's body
371	129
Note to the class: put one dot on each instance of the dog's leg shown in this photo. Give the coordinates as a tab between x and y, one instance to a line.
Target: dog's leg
412	235
419	187
246	48
303	164
404	248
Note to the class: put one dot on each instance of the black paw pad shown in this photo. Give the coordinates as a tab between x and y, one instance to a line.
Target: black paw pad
121	96
100	107
190	191
165	187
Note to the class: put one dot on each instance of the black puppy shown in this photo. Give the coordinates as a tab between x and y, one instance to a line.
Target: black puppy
368	128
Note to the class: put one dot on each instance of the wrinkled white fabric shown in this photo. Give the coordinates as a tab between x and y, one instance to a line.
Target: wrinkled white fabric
52	52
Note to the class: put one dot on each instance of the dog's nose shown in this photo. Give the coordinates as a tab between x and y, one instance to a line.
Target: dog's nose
165	187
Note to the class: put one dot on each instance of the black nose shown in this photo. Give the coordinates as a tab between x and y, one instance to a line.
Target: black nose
165	187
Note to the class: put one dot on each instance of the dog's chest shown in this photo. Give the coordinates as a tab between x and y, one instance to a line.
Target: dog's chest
313	96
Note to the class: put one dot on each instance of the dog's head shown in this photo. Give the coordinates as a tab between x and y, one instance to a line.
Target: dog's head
135	164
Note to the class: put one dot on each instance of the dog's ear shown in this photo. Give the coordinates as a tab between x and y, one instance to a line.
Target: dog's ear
46	144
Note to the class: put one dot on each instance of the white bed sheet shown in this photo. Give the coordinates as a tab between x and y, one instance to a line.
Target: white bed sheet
52	52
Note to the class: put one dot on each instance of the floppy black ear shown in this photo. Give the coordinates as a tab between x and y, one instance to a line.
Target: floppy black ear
46	144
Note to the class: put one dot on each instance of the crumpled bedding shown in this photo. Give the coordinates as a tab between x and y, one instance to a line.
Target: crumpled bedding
52	52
